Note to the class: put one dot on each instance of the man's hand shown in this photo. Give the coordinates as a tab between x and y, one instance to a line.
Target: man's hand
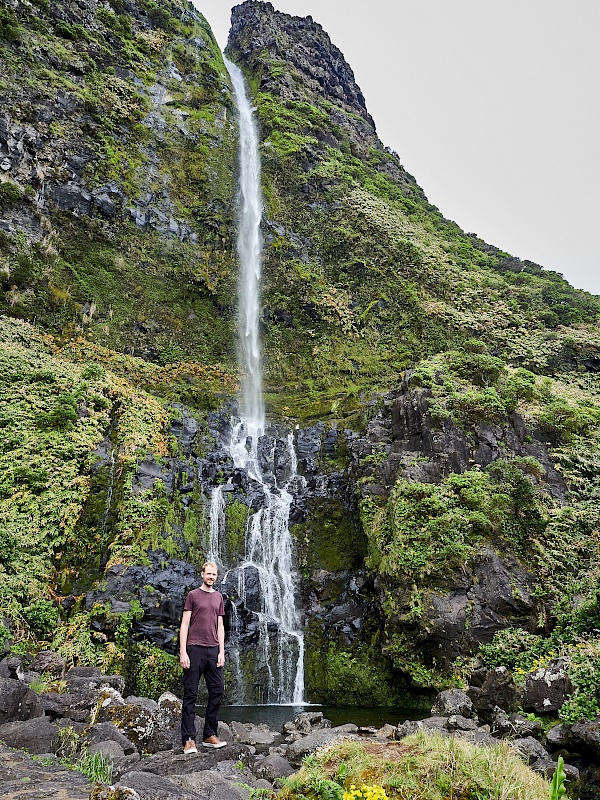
221	660
184	660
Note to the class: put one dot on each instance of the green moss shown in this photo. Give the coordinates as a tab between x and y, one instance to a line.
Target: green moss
236	522
9	25
330	539
361	676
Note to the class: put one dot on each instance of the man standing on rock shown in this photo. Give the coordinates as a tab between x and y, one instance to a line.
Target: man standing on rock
202	652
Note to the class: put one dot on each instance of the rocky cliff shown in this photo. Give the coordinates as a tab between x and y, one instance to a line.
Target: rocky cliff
116	208
444	395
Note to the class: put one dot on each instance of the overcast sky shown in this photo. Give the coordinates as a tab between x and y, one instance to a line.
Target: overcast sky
491	104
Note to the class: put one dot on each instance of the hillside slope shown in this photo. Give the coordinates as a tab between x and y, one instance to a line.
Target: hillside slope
363	276
118	152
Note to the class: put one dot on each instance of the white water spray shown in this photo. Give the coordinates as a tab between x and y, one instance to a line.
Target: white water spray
269	547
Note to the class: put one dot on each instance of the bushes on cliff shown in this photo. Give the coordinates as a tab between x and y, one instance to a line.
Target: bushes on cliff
425	532
9	25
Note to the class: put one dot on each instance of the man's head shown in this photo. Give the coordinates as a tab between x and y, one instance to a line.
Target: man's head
209	573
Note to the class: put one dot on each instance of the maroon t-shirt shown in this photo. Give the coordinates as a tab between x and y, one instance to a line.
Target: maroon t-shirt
205	608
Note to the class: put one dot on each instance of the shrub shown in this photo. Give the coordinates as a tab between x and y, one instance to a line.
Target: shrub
75	33
62	415
93	372
519	385
152	671
514	648
479	368
9	25
560	419
584	672
473	406
10	195
42	617
118	23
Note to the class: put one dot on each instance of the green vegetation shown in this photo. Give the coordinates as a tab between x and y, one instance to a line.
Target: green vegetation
73	755
364	278
151	671
422	765
9	25
357	677
57	405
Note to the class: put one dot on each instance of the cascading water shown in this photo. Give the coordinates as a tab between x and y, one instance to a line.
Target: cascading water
279	653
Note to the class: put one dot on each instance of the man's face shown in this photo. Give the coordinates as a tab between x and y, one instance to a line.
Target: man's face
209	576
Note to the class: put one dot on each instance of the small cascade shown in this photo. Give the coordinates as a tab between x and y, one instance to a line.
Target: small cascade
215	550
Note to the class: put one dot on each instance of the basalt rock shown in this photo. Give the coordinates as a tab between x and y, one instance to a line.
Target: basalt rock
152	731
12	667
492	688
299	749
210	785
547	689
558	737
153	787
315	70
36	735
453	701
514	725
108	732
22	776
530	749
49	662
161	589
17	701
272	767
586	734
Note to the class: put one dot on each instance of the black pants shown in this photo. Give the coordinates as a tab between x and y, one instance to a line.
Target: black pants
203	661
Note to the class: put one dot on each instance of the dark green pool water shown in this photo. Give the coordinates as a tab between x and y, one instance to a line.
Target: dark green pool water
275	716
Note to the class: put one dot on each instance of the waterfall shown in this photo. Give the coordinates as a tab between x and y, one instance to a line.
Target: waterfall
269	546
249	244
216	527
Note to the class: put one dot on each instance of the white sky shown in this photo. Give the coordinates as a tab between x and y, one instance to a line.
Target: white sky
493	106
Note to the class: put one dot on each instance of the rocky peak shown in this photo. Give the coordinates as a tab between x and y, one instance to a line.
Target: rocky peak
293	60
267	40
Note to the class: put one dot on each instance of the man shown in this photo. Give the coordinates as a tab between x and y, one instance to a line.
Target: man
202	652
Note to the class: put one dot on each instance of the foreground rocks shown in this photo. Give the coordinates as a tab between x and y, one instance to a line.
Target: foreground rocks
41	780
140	738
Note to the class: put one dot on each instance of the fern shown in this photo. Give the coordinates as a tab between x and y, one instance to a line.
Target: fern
324	789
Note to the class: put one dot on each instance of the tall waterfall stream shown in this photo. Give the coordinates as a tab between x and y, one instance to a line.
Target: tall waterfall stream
279	653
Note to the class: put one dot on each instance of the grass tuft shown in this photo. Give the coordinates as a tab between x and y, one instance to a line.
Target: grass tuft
424	766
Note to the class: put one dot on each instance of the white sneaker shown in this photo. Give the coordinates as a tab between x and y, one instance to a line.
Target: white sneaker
213	741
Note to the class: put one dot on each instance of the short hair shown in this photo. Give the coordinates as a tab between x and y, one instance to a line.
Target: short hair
209	564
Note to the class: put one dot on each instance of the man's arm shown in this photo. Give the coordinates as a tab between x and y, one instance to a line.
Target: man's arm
221	637
184	659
